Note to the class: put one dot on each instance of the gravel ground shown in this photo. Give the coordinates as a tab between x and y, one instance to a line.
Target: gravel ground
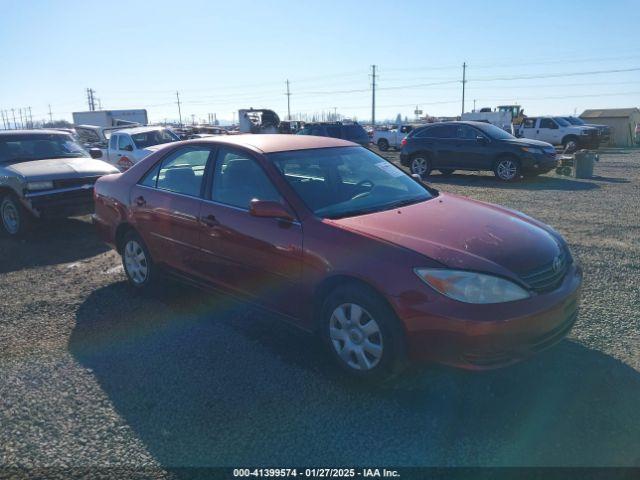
91	374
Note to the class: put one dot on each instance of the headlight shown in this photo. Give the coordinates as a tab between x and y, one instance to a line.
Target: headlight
471	287
39	185
531	149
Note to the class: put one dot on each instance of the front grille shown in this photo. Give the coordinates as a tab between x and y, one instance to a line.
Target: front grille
74	182
549	276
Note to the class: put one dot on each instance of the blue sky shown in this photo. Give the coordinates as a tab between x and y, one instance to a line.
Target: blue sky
223	56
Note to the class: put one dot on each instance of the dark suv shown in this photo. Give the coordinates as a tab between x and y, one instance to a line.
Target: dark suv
346	131
451	146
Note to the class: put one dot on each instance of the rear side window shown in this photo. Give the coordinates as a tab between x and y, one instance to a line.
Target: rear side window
182	171
547	123
437	131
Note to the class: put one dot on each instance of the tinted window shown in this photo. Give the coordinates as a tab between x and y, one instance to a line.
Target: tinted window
183	171
439	131
547	123
345	181
154	137
466	132
238	179
39	146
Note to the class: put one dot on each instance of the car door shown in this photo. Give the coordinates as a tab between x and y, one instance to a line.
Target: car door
166	203
548	131
256	258
470	152
442	139
124	154
529	128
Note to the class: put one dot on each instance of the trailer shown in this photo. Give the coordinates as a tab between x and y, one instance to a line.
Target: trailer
111	118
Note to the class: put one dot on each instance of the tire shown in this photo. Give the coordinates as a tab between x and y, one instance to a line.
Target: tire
447	171
362	334
14	218
420	164
137	263
383	145
507	169
570	144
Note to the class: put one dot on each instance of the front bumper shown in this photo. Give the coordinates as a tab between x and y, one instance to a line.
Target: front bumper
539	162
70	202
482	337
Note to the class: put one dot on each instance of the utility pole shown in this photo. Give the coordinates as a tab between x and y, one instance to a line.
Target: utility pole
50	114
288	94
464	81
4	122
373	94
474	104
179	111
91	100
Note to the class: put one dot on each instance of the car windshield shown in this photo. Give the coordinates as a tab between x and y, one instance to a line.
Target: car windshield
562	122
576	120
495	132
153	137
347	181
16	148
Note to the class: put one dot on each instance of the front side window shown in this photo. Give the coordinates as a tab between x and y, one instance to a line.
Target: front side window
547	123
529	123
183	171
465	132
113	142
154	137
123	142
347	181
238	179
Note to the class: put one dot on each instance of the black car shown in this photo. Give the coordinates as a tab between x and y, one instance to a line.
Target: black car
346	131
451	146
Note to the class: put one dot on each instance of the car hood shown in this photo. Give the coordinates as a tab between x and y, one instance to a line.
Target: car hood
525	142
464	234
59	168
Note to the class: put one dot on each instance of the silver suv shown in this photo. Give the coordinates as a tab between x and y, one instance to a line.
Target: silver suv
44	174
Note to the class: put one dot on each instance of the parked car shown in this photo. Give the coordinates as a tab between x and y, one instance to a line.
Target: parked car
604	130
353	132
452	146
128	147
391	137
557	131
44	174
341	242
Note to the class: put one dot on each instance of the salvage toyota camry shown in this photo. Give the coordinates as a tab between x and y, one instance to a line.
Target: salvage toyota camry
341	242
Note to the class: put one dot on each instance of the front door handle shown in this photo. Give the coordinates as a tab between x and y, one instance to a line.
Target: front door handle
140	201
209	221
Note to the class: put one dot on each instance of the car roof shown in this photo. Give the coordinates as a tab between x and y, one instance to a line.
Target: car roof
270	143
139	130
33	132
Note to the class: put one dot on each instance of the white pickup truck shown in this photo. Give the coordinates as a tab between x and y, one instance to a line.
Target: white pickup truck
127	147
391	137
557	131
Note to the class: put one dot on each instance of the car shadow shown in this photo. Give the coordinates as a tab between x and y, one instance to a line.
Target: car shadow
543	182
50	243
204	381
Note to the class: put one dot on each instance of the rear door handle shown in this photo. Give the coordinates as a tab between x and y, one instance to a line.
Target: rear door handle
140	201
209	220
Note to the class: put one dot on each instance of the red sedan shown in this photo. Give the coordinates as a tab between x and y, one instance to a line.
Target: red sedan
341	242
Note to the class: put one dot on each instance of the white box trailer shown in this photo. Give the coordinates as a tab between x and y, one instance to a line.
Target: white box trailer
111	118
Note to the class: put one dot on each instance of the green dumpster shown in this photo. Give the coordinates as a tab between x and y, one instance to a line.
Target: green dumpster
583	164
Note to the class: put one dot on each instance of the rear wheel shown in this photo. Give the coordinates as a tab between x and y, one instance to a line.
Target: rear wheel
137	262
420	165
447	171
16	220
507	169
383	144
362	333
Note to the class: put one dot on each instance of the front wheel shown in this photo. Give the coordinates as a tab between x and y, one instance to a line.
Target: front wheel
507	169
137	262
570	144
383	145
420	165
362	333
16	220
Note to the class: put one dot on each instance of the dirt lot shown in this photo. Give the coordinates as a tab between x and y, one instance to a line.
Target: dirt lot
91	374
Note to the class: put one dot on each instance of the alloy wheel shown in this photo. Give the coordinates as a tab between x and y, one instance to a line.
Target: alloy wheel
507	169
419	166
356	336
135	262
10	217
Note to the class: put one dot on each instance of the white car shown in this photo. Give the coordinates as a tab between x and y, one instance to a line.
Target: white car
128	147
557	131
391	137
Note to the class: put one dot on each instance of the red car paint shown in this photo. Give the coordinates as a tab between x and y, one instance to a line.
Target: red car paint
284	266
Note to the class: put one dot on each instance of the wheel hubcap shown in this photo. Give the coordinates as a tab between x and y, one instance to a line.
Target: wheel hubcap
419	166
356	336
135	262
507	169
10	217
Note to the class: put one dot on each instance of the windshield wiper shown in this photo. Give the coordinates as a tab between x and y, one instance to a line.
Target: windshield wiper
377	208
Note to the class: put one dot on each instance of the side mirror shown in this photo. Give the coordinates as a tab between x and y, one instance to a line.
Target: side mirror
95	153
481	140
128	148
269	209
